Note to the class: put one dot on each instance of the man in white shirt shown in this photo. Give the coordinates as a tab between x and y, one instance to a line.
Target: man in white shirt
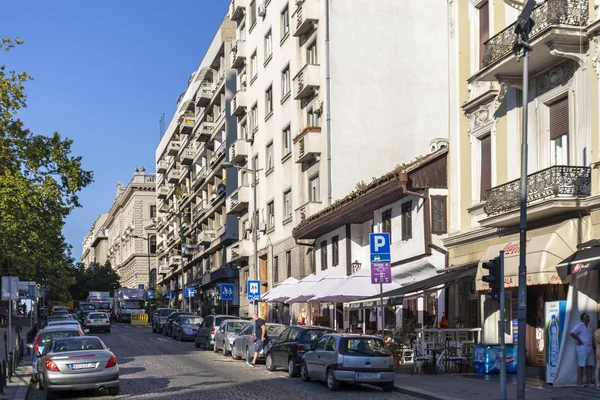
585	354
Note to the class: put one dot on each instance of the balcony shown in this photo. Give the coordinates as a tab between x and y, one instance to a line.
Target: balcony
206	236
306	81
238	54
238	201
162	192
170	237
305	16
551	191
188	155
204	94
161	166
238	151
199	210
186	124
238	103
239	250
559	28
306	210
174	261
307	144
175	175
237	9
173	148
219	152
205	131
199	177
163	269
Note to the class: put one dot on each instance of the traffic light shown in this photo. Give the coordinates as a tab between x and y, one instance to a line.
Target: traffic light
494	278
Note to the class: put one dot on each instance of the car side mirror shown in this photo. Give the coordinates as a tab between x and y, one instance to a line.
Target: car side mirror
86	331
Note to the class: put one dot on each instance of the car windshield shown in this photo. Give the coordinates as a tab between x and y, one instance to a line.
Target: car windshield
133	304
313	334
368	347
164	313
275	329
191	321
77	344
97	316
236	326
86	307
48	336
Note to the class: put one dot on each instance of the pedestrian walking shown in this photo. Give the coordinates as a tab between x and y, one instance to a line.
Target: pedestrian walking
213	312
597	346
302	317
260	333
585	355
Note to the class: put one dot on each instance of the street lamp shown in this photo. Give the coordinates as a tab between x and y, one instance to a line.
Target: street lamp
254	173
355	266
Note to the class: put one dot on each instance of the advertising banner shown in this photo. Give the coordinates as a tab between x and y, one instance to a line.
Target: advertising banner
554	321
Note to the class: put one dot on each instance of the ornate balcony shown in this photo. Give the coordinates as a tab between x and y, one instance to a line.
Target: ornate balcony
238	54
305	16
307	144
188	155
306	81
239	250
204	94
238	201
238	103
205	131
161	166
238	151
550	191
175	175
173	148
559	28
206	236
237	9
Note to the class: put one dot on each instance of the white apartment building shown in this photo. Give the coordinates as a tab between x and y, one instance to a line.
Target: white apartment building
131	232
330	93
95	243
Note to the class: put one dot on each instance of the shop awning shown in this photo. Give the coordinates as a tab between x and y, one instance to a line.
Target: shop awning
355	287
273	295
546	248
326	283
585	259
297	289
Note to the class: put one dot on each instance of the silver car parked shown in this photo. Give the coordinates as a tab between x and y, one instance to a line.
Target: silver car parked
205	335
337	358
243	345
77	363
228	331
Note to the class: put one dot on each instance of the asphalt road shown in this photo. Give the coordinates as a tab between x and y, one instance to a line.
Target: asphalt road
156	367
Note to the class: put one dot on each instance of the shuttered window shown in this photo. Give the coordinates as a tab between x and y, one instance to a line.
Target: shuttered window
486	166
438	208
559	118
406	220
484	30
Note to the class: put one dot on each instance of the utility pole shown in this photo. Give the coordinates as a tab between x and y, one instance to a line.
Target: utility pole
255	232
502	326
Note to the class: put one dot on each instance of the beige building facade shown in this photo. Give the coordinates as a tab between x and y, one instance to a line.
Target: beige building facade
95	243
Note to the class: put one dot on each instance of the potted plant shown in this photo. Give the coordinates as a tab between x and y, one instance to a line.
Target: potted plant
402	339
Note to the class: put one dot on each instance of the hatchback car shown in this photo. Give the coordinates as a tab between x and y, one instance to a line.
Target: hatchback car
244	344
167	329
228	331
159	319
97	321
337	358
205	335
185	327
291	345
77	363
45	336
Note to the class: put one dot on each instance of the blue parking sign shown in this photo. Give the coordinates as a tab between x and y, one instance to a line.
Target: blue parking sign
380	243
189	292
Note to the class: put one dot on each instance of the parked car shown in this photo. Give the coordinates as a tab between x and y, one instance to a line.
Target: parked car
64	321
97	321
243	345
167	329
45	336
291	345
184	327
345	357
55	318
60	308
159	319
77	363
205	335
61	313
228	331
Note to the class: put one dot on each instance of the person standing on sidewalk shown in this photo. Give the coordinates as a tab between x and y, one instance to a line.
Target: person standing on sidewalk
585	355
3	316
597	345
260	333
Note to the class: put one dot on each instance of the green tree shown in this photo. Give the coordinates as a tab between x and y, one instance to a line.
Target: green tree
39	183
97	278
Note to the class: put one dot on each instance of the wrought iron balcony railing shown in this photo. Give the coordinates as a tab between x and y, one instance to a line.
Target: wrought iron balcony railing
555	182
546	15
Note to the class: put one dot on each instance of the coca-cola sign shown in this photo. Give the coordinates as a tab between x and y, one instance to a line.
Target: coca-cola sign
513	248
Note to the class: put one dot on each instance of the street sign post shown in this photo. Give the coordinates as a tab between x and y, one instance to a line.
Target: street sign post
150	294
381	266
10	293
227	294
189	292
141	286
253	290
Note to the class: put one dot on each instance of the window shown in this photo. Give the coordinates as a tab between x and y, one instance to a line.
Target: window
268	45
271	215
323	255
252	13
484	30
312	118
242	31
254	118
559	132
152	244
269	154
244	130
386	222
406	219
245	275
243	81
285	81
438	211
245	178
486	167
153	211
314	189
288	263
311	54
286	140
276	269
287	205
285	22
269	101
335	251
253	65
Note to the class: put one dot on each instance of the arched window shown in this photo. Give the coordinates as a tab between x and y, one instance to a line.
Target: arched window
152	244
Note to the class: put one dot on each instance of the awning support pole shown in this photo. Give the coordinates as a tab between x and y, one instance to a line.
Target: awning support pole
382	309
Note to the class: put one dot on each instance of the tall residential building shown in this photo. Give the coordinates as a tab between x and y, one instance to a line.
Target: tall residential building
95	243
131	231
485	147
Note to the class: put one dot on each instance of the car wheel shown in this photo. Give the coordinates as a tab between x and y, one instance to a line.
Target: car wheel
113	391
196	344
215	348
40	385
332	383
388	386
181	338
304	372
292	370
225	352
234	355
269	363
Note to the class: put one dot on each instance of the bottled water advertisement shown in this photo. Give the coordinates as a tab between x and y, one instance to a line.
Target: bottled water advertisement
555	312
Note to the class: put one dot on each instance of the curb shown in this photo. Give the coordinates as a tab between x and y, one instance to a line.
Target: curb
421	394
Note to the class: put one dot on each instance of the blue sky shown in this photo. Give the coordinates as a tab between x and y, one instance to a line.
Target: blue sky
104	72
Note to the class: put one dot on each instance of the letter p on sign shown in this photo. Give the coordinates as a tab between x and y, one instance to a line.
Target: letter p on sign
380	243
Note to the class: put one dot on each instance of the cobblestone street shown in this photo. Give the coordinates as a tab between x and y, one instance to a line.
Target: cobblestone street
156	367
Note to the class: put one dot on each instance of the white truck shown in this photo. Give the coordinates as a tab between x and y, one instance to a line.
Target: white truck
102	301
128	301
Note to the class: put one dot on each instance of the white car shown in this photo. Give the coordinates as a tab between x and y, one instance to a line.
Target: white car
97	321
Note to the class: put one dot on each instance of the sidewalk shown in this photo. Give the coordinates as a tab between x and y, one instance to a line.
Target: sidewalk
17	388
472	386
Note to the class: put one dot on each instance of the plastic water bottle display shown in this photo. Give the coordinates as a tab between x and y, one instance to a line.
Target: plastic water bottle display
554	343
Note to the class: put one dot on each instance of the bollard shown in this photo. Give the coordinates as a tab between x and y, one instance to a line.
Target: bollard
4	377
10	365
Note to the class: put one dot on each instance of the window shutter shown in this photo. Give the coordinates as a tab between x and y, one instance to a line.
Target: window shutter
486	166
559	118
484	30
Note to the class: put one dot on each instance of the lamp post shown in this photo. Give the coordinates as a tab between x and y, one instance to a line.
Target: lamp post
355	266
254	172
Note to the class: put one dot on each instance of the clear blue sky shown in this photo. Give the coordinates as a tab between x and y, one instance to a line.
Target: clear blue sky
104	72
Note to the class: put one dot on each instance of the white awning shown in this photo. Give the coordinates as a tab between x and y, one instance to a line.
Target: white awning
279	290
355	287
293	291
326	283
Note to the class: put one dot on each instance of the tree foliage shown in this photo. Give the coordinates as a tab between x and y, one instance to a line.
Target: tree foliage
98	278
39	183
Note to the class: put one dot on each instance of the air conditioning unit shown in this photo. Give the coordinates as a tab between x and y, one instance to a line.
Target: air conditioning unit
262	10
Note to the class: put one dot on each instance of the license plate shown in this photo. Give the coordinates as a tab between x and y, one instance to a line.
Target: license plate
367	375
83	366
